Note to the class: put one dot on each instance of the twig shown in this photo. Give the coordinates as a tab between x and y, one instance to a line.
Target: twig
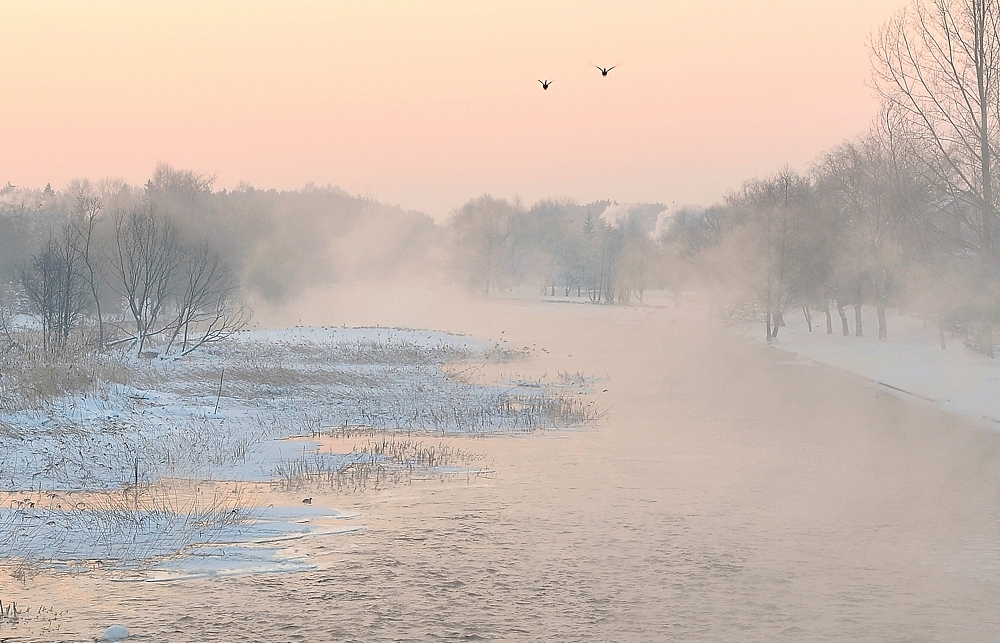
219	395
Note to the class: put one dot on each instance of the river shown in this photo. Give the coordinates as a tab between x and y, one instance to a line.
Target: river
731	493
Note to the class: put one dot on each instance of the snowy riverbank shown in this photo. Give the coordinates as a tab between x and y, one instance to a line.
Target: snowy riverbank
909	363
182	455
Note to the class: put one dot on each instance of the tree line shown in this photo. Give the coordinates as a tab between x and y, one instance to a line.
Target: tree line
135	273
600	252
903	216
169	266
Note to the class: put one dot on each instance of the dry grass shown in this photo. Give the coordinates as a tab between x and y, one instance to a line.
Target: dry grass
125	529
252	371
396	351
197	447
70	456
388	384
387	459
31	377
464	408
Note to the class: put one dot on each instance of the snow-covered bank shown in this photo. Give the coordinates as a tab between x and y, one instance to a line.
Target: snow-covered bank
94	475
226	413
161	544
909	363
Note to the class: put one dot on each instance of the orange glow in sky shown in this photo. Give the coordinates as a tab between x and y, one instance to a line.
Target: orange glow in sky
428	103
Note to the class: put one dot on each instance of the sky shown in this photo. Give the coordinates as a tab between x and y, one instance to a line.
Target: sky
428	103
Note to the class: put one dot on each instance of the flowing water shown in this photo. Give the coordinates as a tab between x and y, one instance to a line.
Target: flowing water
732	493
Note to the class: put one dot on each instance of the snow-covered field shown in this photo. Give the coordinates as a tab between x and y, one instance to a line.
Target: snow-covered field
100	475
909	363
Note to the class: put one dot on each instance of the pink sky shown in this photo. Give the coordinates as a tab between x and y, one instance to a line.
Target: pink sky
429	103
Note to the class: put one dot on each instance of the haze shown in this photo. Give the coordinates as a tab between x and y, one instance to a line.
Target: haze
428	104
326	321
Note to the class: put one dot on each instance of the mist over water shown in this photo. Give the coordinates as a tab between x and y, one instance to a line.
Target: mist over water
732	493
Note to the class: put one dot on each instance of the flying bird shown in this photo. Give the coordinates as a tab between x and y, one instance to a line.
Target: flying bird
605	70
546	83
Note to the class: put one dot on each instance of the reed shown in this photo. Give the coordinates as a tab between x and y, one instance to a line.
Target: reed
380	461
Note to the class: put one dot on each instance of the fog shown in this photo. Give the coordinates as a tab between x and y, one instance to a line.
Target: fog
251	413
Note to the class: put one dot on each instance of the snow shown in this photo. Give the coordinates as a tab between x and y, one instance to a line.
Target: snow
70	466
275	385
115	633
264	546
131	539
910	363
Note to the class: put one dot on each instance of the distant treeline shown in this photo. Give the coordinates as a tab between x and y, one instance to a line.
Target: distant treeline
171	264
603	252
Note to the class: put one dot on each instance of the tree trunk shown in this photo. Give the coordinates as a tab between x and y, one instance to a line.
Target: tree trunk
858	331
808	316
829	319
986	97
944	345
767	322
843	318
883	330
100	325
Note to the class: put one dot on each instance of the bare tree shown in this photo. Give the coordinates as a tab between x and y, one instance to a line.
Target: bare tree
183	184
607	257
6	325
772	241
637	252
55	289
145	262
861	177
937	66
488	232
206	307
83	242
